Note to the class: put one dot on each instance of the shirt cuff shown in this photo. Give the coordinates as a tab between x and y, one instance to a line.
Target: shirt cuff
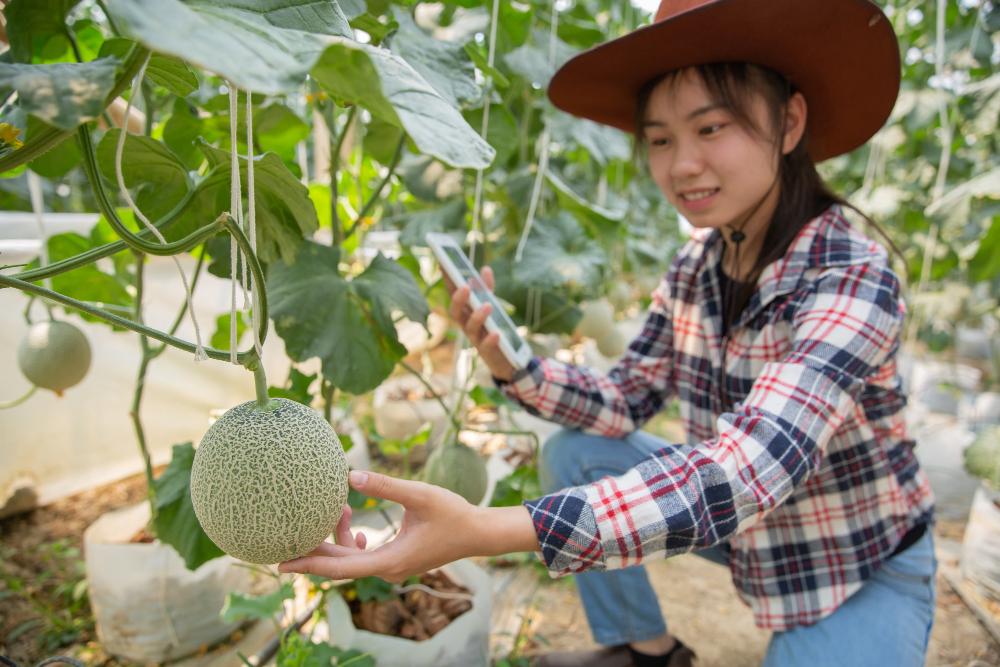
567	532
523	385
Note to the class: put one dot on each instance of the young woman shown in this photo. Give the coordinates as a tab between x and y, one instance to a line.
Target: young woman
777	328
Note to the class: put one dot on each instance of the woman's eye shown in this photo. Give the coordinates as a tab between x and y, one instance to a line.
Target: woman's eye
659	142
712	129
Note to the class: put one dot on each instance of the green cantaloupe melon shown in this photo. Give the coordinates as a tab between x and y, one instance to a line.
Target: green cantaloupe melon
613	344
982	457
597	321
620	295
54	355
269	485
648	282
457	468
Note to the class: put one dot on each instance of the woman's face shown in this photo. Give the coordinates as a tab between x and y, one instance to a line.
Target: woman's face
712	169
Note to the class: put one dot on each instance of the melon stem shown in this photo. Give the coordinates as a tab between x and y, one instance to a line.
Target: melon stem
264	401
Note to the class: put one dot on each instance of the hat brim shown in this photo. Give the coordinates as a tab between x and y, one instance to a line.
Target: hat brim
841	54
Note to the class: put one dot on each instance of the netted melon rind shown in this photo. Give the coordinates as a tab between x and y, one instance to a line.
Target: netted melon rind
457	468
269	486
54	355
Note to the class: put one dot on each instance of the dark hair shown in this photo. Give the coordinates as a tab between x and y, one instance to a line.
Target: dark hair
803	194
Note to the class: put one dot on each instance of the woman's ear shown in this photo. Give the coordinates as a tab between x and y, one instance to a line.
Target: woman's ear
796	113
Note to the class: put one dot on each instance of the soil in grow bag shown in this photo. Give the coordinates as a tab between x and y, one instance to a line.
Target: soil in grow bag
416	614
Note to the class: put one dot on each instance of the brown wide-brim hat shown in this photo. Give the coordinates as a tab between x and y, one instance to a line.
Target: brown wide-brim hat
842	55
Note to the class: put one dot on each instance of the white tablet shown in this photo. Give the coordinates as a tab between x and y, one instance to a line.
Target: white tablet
461	271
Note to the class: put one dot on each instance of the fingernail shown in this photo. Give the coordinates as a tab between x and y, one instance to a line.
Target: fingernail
285	568
358	477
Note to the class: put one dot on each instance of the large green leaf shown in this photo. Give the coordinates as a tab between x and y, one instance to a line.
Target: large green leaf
176	523
166	71
449	219
30	20
56	162
256	607
444	65
272	52
64	94
268	49
532	61
560	254
558	313
391	89
181	132
285	214
601	220
147	163
279	130
604	143
501	132
347	324
429	179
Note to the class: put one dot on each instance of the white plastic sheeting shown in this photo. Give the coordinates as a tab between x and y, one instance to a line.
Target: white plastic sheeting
60	446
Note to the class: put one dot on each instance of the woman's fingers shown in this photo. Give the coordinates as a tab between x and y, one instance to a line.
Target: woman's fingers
487	274
474	325
361	540
406	493
343	530
459	300
354	565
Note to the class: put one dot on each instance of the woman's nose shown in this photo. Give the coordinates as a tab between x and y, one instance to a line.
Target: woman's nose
687	161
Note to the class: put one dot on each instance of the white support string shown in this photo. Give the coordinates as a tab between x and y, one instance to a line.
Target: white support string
235	209
252	223
543	158
199	353
478	200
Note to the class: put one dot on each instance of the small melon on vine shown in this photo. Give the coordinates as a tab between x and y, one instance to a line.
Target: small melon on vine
597	321
269	484
458	468
54	355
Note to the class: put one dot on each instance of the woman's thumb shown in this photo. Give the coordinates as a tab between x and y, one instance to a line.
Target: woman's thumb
375	485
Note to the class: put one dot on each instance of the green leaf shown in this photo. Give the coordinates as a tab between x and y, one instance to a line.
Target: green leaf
430	180
373	588
269	49
479	59
352	8
28	20
392	90
22	628
381	139
181	132
444	65
601	220
985	265
175	521
490	396
149	164
602	142
57	161
166	71
560	254
223	328
348	325
501	134
285	214
297	389
520	485
558	313
449	218
64	95
532	62
371	25
256	607
278	129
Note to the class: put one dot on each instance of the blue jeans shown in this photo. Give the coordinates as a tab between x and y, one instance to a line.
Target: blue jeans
885	624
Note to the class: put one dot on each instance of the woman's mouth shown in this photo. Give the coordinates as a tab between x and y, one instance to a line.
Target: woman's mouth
694	200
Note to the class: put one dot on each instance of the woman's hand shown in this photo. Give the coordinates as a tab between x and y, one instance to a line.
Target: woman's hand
438	527
471	322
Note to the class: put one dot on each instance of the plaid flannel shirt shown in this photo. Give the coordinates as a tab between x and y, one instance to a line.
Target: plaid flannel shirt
809	480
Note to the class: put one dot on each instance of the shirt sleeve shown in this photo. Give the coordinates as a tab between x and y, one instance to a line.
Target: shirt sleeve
611	405
684	498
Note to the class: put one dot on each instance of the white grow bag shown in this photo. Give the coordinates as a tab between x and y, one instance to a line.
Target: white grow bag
464	643
148	606
981	545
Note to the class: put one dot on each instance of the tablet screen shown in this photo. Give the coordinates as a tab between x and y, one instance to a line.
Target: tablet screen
499	315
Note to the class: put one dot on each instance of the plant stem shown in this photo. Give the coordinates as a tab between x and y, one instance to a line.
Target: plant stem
334	168
184	309
378	190
327	391
455	423
140	381
18	401
254	364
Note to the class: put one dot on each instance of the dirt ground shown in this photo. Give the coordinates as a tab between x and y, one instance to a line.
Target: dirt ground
697	598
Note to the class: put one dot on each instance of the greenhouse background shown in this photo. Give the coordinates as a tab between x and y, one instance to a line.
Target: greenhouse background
365	119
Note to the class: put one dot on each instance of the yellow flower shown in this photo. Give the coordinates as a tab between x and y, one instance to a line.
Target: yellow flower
371	502
8	136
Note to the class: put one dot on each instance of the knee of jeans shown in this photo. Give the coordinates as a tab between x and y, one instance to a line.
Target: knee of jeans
559	465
